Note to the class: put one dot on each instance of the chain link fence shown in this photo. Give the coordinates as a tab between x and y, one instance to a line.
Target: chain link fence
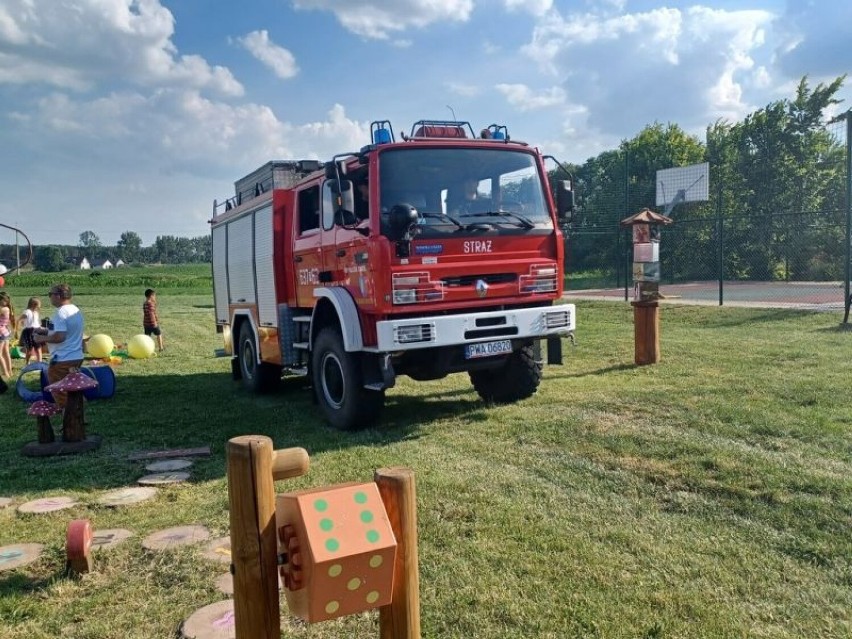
749	244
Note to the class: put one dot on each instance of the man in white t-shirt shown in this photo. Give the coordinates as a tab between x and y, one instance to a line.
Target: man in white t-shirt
64	337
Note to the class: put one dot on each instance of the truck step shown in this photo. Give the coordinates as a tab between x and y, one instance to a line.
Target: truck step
301	345
302	318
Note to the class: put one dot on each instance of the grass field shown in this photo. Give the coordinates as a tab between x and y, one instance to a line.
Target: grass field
707	496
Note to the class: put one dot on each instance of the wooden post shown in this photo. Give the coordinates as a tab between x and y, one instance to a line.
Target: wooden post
646	332
45	430
73	421
401	619
252	467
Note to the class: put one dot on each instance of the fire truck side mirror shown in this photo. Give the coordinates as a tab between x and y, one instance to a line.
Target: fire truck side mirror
344	198
335	169
564	201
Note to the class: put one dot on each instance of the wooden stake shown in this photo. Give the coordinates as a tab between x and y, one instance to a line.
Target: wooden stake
401	619
646	332
251	495
73	421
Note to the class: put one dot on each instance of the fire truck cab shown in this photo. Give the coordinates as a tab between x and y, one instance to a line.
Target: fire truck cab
437	253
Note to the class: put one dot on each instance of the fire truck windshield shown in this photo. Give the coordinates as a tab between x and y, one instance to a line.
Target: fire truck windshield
464	190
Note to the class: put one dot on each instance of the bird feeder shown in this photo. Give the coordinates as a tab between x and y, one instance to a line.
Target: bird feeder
646	283
42	411
73	423
339	549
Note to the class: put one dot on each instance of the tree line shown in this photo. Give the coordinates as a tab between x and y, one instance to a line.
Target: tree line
777	202
166	249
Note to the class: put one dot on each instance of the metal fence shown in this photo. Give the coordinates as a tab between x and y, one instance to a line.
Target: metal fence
732	249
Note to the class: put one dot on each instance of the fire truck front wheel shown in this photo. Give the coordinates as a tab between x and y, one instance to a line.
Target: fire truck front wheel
339	384
516	379
258	377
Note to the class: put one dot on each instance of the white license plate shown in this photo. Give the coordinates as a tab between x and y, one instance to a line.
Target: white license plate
488	349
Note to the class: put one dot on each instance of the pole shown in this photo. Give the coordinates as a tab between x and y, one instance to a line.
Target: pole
251	495
846	299
401	618
627	270
720	225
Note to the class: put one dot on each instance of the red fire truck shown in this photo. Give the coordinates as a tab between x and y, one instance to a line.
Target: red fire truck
437	253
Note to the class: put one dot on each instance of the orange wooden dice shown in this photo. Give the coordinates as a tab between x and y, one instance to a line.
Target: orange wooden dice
340	550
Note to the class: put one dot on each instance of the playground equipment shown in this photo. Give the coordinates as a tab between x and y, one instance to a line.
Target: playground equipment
28	255
646	277
100	345
140	347
341	549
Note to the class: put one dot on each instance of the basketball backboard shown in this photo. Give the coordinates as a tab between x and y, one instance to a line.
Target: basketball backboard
683	184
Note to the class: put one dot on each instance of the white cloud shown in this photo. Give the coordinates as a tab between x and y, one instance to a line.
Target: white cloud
535	7
689	66
380	18
815	39
463	89
89	42
279	59
523	98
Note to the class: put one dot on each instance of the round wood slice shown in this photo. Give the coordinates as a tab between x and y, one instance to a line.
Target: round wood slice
127	496
177	536
109	537
215	621
18	555
47	505
225	584
78	546
219	550
168	465
163	478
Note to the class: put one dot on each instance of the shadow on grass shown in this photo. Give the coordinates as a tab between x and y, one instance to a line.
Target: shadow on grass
166	412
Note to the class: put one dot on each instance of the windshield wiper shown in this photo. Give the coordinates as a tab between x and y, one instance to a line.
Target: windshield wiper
521	220
450	218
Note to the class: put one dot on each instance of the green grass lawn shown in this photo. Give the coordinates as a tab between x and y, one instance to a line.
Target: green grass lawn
707	496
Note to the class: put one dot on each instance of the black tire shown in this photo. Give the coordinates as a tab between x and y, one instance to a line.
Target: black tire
258	377
339	384
517	379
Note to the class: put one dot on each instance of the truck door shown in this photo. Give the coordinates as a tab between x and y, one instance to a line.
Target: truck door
344	251
307	245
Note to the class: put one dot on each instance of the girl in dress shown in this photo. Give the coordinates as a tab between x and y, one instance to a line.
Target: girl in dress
7	330
29	320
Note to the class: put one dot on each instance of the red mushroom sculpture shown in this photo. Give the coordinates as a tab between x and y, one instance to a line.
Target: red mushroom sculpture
73	425
42	411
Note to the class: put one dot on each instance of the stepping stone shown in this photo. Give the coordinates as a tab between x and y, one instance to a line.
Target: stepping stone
47	505
127	496
4	502
219	550
18	555
168	465
109	537
215	621
225	584
177	536
163	478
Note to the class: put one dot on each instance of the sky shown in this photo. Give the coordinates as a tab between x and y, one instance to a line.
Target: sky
134	115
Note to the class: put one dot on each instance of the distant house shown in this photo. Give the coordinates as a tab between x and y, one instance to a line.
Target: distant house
119	262
104	265
84	265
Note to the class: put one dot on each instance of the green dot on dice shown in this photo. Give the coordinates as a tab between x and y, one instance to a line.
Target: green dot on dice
372	536
366	516
332	545
360	498
326	524
321	505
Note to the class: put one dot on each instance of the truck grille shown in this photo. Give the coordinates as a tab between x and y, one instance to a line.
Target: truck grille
470	280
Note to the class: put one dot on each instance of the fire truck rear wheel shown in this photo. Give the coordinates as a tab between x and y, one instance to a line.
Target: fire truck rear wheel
339	384
258	377
516	379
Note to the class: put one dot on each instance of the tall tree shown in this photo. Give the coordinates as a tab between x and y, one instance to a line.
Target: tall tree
89	240
129	246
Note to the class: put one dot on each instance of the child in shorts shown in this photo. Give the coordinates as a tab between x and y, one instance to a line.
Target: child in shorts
150	318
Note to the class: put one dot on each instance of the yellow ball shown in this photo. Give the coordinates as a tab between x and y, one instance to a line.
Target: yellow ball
100	345
140	347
